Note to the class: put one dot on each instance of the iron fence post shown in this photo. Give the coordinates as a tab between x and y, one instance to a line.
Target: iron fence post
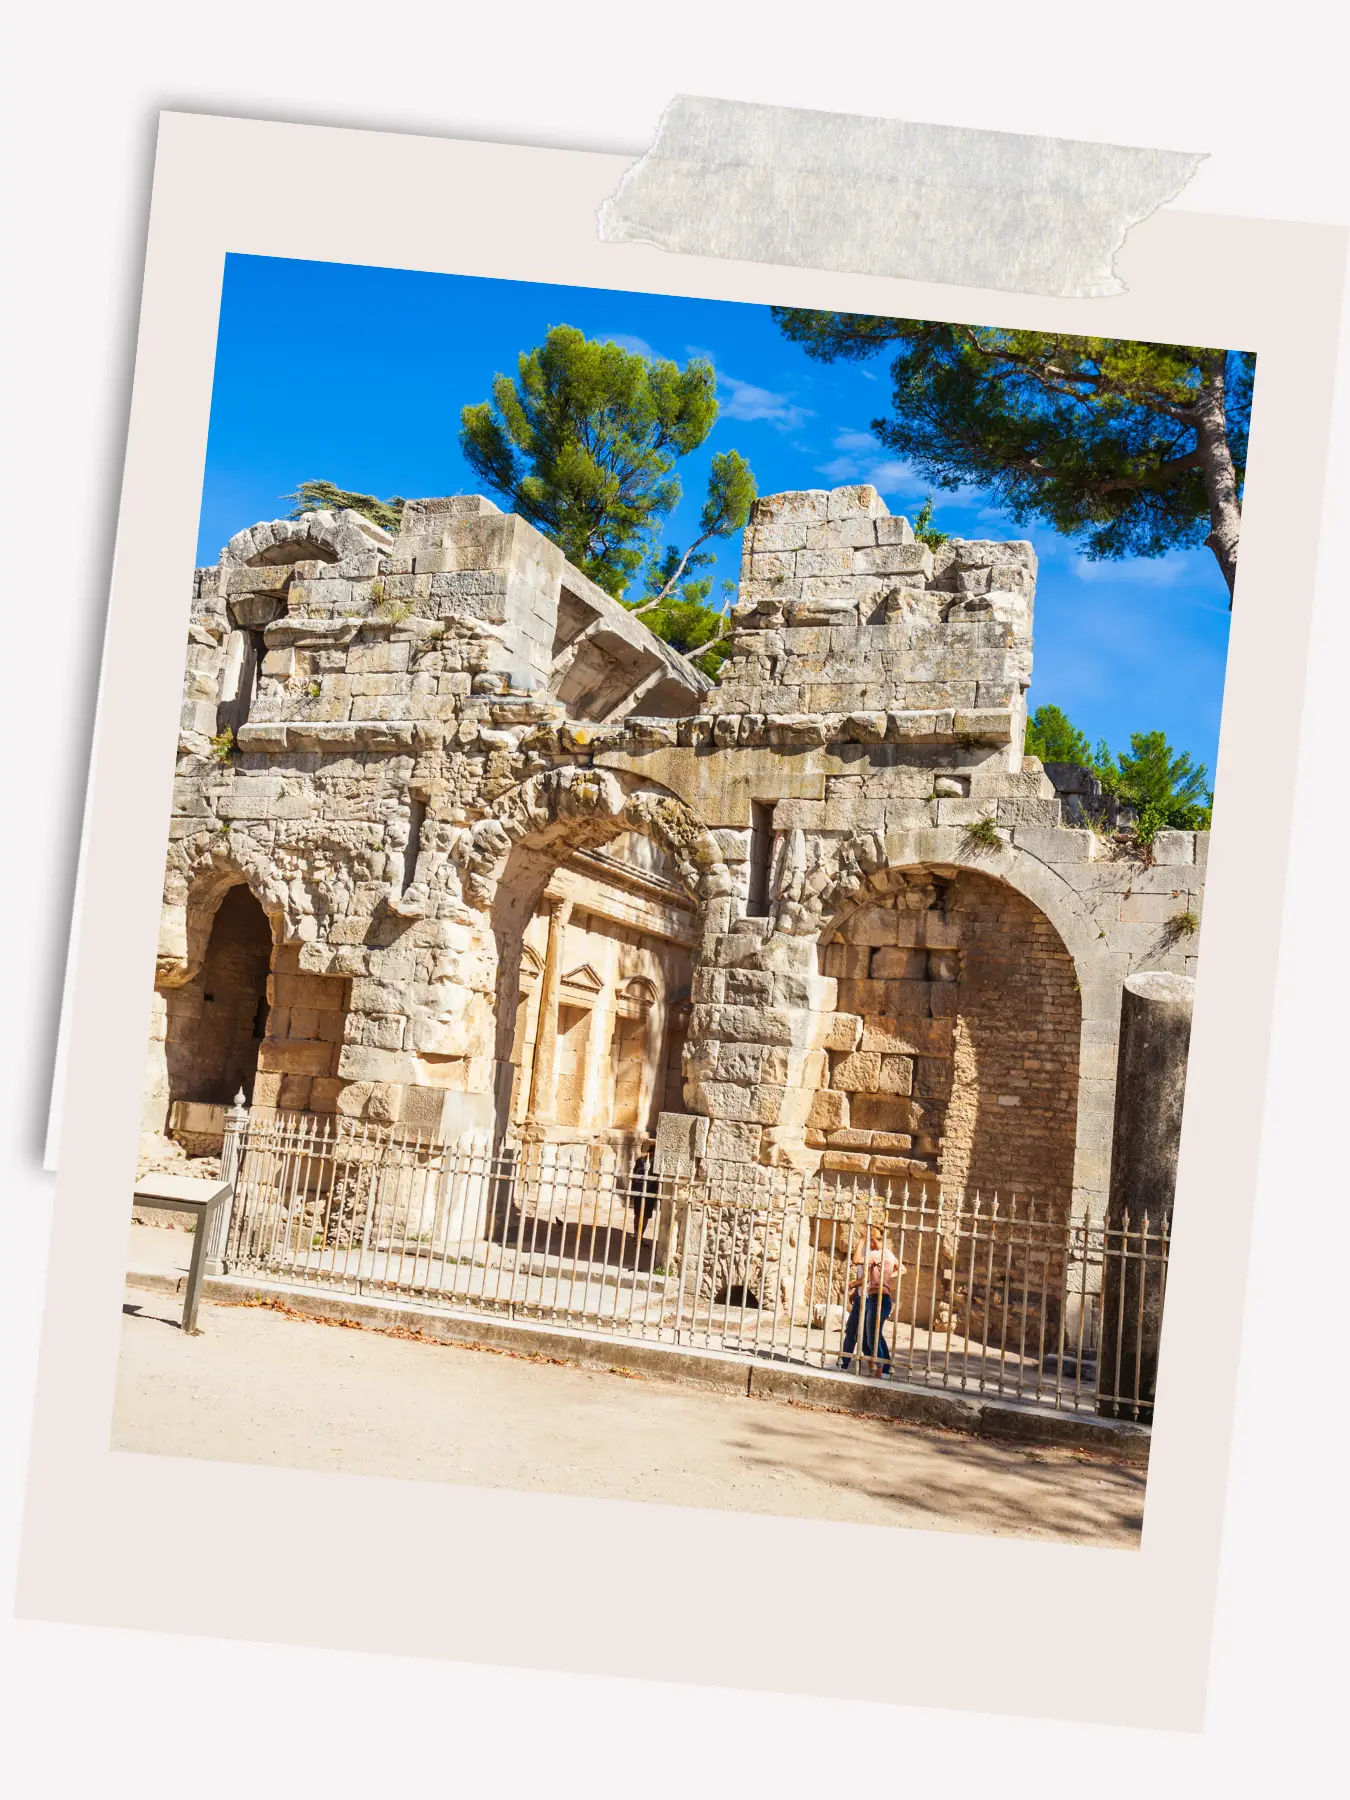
236	1123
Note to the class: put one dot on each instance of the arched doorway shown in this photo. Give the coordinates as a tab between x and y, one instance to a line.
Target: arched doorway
217	1021
956	1044
593	885
594	984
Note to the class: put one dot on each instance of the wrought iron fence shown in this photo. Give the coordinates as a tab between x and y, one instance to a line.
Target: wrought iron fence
869	1275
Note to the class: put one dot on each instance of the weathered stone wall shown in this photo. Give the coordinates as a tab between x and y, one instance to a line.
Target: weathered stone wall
430	731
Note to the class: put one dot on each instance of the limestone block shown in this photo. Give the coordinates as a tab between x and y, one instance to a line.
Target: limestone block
924	696
747	1024
894	559
845	1162
896	1076
964	812
857	1070
896	530
249	797
743	987
838	561
856	500
991	726
1021	811
891	963
295	1056
809	505
707	985
920	725
776	565
776	534
267	1088
857	533
1149	909
1201	850
875	925
843	1032
938	932
356	1062
1174	849
198	716
1057	845
866	727
294	1093
795	730
759	1105
908	999
732	1142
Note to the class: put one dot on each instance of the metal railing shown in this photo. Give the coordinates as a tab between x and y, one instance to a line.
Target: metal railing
990	1295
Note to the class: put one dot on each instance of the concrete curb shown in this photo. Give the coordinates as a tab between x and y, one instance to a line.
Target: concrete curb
1000	1421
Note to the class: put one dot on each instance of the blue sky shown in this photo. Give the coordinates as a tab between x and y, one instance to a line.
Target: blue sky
326	371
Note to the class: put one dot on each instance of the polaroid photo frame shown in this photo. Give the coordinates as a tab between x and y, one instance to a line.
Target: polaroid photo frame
110	1537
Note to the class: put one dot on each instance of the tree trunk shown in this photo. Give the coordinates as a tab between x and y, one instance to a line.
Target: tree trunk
1211	440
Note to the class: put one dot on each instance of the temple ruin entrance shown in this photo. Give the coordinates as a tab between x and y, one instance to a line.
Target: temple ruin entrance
597	996
216	1022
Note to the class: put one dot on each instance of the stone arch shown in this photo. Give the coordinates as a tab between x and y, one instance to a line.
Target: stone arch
201	871
313	537
1028	990
508	859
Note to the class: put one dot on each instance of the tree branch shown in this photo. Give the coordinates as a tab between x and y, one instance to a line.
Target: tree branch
668	589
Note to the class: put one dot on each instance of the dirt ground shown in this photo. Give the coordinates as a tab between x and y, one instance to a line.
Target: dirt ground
261	1387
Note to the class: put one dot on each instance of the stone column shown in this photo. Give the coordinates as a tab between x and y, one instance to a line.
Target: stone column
1155	1037
543	1106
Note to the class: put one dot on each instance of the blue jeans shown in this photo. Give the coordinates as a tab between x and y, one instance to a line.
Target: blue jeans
873	1324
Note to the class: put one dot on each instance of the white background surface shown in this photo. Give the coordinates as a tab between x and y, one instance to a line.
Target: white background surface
82	87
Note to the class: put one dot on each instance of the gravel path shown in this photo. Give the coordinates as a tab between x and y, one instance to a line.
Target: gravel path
261	1387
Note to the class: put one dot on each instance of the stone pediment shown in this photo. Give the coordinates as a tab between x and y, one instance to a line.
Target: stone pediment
583	980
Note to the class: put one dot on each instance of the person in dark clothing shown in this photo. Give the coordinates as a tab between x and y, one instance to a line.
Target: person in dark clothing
644	1191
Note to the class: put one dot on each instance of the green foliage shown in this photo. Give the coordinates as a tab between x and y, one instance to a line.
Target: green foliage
1054	738
984	834
1168	790
323	496
924	529
1134	448
672	604
582	443
669	573
223	746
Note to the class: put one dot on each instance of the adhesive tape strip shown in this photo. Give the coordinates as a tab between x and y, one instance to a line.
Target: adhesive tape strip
987	209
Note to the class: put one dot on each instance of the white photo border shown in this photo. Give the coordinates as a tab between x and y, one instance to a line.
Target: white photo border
162	1543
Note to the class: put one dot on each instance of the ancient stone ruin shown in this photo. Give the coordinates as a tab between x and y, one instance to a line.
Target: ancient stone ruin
458	844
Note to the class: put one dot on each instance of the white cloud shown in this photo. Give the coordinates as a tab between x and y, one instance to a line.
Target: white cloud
1140	571
843	468
635	346
856	440
749	402
896	478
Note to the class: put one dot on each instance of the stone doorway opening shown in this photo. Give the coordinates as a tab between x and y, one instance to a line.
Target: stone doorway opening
953	1057
215	1023
594	973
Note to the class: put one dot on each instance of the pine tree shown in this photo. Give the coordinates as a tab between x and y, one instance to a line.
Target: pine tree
582	442
323	496
1055	738
1134	448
